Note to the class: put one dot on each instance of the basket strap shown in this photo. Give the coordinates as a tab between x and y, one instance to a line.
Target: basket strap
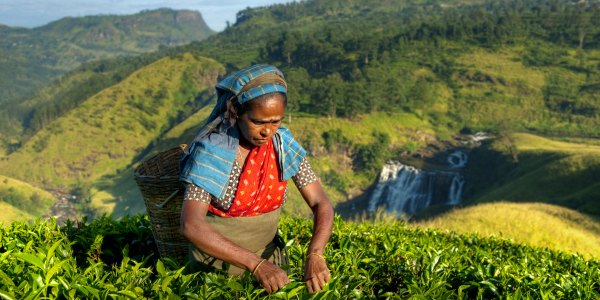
161	205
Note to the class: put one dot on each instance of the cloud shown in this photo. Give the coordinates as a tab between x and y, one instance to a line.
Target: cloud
32	13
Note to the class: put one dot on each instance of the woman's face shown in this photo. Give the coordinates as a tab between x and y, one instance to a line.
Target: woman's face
259	124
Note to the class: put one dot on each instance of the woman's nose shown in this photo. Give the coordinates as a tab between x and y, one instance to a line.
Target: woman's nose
266	131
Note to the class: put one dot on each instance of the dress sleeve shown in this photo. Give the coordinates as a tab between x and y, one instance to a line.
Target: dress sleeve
305	175
196	193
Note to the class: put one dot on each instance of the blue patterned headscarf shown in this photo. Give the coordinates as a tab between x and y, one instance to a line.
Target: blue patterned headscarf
207	161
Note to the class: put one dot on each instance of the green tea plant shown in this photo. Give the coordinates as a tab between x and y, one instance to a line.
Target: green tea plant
110	259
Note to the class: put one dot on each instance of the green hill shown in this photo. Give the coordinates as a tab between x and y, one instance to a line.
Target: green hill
20	201
538	170
31	58
104	134
536	224
531	189
460	65
38	54
118	194
12	214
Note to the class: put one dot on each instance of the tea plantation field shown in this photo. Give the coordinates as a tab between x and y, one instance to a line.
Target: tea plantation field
108	259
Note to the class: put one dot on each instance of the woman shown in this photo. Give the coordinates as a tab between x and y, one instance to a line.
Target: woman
236	173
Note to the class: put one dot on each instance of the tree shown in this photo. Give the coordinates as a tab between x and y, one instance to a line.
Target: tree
328	94
370	157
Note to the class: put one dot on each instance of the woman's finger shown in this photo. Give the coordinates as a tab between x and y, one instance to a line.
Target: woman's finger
313	285
309	286
271	277
327	275
316	283
322	281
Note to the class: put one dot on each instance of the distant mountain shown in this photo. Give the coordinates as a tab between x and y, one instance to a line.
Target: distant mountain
30	58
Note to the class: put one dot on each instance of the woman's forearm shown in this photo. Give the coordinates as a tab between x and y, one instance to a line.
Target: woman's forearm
200	233
323	224
317	200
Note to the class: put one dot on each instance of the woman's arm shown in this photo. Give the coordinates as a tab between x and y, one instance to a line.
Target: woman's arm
316	273
198	231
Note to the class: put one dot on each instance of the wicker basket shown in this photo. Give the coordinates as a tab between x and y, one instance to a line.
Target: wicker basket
158	180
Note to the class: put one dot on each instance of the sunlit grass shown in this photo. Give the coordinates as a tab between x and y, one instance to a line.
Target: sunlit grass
551	171
11	214
530	142
505	64
535	224
25	192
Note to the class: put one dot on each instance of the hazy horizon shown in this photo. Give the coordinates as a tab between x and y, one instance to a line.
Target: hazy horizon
35	13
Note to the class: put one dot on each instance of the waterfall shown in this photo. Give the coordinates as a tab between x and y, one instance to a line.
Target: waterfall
456	189
457	159
406	189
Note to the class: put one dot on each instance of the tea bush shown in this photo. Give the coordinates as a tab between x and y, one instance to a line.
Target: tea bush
381	259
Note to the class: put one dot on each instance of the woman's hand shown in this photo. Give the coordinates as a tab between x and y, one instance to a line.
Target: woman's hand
316	273
270	276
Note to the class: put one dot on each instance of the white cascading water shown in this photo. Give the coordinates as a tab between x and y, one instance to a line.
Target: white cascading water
406	190
456	189
457	159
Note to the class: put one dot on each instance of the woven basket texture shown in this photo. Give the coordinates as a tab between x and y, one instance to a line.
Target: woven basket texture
158	180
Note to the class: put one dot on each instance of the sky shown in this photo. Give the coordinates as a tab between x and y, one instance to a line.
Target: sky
34	13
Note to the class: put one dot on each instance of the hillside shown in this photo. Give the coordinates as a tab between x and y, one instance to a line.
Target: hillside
104	134
12	214
539	169
456	64
536	224
31	58
118	194
107	258
20	201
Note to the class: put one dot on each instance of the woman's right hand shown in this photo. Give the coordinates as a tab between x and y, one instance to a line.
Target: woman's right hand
270	276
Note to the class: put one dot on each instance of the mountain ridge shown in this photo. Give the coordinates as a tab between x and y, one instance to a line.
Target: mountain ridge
31	58
85	140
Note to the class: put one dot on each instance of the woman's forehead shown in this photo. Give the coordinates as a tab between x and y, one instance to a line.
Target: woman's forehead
268	107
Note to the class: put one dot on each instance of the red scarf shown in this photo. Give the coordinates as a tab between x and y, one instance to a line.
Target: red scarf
259	190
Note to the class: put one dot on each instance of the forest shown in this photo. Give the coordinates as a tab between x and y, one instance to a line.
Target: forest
345	58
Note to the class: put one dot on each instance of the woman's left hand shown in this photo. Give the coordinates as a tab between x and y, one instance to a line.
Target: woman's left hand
316	273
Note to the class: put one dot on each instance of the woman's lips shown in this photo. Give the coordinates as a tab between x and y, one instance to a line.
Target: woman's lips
261	141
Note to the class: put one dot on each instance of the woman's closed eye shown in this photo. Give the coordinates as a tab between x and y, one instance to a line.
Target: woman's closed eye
259	122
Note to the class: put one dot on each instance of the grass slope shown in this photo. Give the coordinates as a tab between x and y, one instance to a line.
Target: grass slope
11	214
111	130
119	194
552	171
536	224
497	88
21	201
